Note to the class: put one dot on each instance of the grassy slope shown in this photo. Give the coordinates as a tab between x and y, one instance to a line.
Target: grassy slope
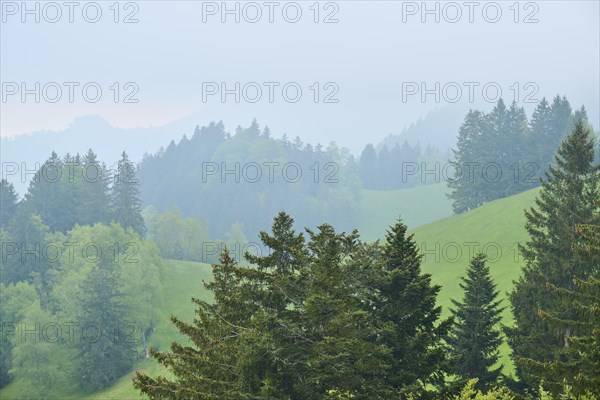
495	227
500	225
417	206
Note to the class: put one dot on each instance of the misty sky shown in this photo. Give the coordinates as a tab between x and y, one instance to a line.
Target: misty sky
369	55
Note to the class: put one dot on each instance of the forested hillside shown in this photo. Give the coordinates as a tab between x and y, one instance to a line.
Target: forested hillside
250	174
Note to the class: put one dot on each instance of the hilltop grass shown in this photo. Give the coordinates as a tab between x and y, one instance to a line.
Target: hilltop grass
496	228
417	206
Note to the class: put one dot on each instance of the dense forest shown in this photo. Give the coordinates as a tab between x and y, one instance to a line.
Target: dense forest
251	175
502	153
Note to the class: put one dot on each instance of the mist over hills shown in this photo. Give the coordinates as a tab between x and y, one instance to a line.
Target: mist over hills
84	133
437	129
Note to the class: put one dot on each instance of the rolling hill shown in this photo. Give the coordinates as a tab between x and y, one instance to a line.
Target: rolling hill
418	206
496	228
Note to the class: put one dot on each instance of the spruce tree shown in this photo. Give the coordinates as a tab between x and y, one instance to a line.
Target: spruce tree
475	337
249	342
493	153
208	368
49	196
561	124
406	305
27	236
501	152
280	279
514	162
93	204
127	206
8	202
465	186
581	369
568	198
368	167
540	131
105	353
344	355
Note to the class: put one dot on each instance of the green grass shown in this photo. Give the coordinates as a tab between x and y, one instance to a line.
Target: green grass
417	206
495	228
499	225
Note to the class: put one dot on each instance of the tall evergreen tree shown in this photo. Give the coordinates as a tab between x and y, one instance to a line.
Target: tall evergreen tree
368	166
93	205
127	206
8	202
23	248
49	196
104	352
561	124
540	132
246	341
406	305
580	371
344	355
475	337
465	185
514	161
501	151
568	198
209	369
280	283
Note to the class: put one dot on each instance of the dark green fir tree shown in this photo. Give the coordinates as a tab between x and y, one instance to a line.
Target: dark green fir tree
475	335
407	306
127	205
568	198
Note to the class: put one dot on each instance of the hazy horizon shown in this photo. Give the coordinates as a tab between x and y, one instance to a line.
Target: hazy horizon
170	58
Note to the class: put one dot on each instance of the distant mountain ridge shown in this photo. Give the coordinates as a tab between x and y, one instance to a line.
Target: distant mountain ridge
438	128
84	133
